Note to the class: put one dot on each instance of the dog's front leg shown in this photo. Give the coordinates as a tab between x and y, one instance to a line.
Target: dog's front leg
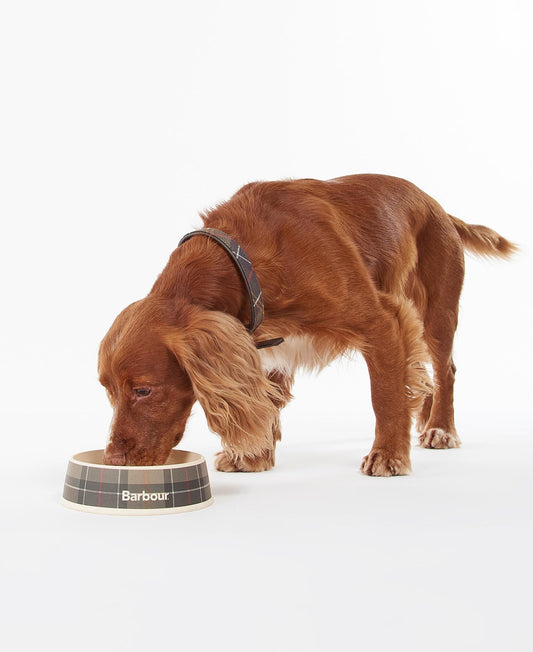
240	452
227	461
387	361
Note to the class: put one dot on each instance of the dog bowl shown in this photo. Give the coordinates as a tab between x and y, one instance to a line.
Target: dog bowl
179	485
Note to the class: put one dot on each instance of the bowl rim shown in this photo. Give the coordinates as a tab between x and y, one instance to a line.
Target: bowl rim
196	460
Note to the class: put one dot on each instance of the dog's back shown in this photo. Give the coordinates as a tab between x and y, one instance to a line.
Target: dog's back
392	225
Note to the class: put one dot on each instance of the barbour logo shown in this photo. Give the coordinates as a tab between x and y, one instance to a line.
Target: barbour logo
144	496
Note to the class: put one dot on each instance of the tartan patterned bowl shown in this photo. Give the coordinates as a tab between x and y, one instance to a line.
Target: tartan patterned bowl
179	485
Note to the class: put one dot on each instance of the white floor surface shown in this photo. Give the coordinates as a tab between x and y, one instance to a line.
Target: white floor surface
311	556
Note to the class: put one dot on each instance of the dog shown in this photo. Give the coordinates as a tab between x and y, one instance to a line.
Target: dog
364	262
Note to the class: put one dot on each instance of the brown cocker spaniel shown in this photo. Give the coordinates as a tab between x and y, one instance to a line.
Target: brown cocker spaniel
365	262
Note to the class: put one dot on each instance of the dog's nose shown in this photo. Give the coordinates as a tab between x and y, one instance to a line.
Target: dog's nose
114	458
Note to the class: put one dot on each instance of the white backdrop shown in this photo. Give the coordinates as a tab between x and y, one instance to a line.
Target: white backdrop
119	122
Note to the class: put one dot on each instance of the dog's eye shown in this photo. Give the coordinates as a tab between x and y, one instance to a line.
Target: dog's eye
141	392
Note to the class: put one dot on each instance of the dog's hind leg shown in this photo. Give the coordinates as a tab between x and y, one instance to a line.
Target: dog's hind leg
441	267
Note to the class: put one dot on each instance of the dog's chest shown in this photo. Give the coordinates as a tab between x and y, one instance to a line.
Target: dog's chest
297	351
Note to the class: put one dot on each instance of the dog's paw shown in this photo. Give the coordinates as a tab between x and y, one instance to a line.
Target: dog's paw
385	463
223	462
439	438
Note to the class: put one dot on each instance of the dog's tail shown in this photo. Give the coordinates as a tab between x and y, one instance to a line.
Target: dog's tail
483	241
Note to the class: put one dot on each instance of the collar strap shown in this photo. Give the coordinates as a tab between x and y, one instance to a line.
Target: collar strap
246	269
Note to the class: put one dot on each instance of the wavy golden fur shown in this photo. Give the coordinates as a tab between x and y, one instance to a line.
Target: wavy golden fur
364	262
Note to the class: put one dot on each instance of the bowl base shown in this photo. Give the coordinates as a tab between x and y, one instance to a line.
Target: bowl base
117	510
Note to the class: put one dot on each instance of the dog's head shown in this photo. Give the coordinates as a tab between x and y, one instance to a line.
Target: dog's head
158	358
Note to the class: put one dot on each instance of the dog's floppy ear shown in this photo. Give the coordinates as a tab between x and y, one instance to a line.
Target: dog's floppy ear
223	365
